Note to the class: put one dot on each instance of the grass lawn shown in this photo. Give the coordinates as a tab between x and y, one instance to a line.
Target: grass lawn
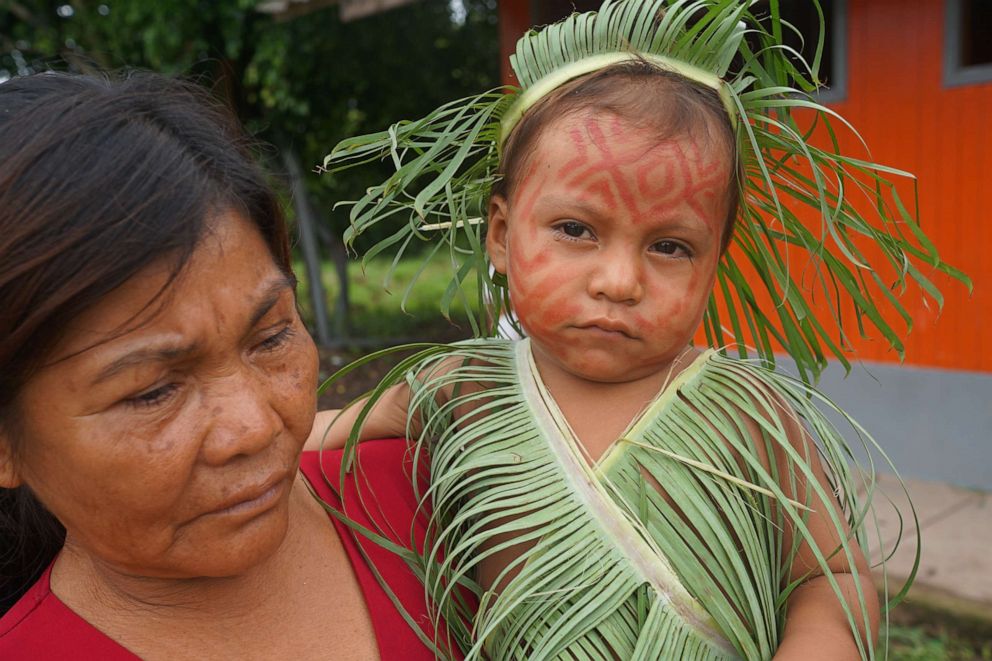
378	313
920	643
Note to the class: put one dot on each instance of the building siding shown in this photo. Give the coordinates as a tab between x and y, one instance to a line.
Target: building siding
910	120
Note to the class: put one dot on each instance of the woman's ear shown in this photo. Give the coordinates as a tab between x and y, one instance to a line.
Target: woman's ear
496	233
9	476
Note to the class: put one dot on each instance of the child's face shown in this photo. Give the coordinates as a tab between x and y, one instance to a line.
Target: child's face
610	242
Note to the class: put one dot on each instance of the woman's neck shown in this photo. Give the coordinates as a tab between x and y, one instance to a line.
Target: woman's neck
252	609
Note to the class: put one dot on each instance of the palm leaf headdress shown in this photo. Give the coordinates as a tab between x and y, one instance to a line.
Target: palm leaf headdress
858	263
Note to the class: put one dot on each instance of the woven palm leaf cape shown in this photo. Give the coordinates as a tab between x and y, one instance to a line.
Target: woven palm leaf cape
607	565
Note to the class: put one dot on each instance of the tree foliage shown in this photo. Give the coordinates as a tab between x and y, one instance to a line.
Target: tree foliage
300	84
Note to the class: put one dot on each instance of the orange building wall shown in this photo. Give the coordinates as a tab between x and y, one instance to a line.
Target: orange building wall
896	99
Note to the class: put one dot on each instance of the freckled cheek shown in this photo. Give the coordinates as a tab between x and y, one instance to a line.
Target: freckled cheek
166	443
294	387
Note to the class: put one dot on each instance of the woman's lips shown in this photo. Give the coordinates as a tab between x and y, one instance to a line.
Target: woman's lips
256	500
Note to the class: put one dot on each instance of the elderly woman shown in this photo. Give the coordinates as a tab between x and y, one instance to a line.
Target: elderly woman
156	389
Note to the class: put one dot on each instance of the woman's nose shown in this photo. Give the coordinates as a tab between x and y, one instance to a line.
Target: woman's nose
616	277
242	419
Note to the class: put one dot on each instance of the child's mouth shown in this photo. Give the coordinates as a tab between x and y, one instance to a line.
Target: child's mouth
609	327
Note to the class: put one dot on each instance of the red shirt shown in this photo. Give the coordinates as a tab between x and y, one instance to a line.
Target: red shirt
41	626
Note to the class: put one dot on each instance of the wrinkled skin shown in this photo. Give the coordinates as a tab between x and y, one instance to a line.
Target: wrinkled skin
166	437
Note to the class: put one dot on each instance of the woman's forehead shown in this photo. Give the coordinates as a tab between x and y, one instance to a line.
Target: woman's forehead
160	298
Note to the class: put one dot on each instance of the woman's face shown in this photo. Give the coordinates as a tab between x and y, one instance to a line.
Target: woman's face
165	434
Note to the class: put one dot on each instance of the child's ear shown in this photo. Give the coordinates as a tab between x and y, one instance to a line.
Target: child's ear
9	476
496	233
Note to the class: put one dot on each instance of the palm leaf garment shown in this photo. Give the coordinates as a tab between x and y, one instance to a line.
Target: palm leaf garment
608	565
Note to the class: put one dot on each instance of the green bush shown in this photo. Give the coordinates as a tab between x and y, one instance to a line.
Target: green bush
376	312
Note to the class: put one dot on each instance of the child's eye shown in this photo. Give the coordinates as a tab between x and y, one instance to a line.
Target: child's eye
275	341
154	397
573	229
671	248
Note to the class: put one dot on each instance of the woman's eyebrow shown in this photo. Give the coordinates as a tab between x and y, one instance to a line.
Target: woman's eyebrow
144	355
270	297
167	353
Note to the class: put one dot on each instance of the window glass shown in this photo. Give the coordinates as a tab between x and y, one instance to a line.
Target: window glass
967	42
976	33
803	17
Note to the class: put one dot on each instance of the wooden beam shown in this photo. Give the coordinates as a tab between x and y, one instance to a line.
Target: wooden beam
514	20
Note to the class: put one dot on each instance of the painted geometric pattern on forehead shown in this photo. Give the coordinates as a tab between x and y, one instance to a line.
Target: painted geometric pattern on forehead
668	172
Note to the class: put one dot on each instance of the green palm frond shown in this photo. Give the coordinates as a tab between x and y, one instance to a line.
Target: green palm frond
808	211
606	566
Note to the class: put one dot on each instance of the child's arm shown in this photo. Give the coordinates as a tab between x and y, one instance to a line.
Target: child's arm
390	415
387	419
816	625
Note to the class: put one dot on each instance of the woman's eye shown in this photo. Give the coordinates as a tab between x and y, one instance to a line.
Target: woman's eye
573	229
153	397
671	248
273	342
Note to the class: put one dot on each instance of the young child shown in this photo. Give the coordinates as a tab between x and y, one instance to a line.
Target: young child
606	490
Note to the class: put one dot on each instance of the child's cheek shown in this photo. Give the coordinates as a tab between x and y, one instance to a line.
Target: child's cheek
531	261
542	302
529	269
679	312
662	318
539	290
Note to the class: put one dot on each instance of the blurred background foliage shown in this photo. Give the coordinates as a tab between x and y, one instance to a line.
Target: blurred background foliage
299	84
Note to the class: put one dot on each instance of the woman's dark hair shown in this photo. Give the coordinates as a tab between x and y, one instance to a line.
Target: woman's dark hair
100	178
642	93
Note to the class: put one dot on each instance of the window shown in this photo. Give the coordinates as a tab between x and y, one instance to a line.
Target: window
967	42
802	15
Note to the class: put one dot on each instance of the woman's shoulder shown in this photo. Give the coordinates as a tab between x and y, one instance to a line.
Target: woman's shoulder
381	470
379	517
41	626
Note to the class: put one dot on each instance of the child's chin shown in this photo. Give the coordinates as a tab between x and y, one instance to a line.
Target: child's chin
605	371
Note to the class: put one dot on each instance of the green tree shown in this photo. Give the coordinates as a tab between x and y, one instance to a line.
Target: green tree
300	85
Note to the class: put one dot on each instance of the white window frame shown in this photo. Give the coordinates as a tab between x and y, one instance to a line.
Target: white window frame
956	74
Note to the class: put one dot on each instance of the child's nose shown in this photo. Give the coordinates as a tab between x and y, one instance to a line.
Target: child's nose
616	278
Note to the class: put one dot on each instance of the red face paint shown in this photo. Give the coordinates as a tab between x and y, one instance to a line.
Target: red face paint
613	240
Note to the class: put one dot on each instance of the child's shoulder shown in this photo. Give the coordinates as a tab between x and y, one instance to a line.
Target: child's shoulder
469	365
749	398
443	358
749	378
